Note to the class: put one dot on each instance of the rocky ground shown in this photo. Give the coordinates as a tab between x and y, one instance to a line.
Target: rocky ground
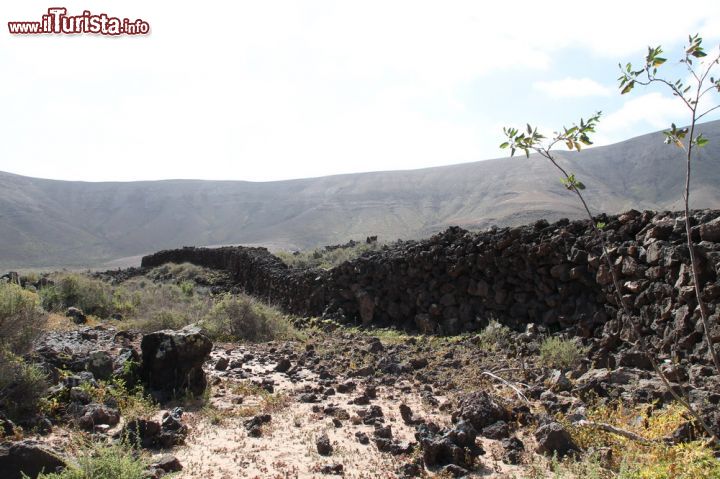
357	404
331	399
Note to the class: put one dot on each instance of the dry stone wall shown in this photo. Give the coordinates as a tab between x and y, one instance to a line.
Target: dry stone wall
456	281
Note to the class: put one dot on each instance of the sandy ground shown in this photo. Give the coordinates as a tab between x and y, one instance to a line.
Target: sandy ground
219	446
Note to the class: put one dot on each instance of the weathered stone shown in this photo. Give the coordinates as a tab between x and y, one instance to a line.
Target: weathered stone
172	361
552	438
481	410
710	231
222	363
76	314
366	306
100	363
28	458
97	414
283	365
322	443
168	463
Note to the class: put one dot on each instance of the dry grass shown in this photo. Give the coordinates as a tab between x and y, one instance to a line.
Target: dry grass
629	459
326	258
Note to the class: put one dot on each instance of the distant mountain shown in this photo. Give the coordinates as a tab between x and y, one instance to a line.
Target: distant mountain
49	223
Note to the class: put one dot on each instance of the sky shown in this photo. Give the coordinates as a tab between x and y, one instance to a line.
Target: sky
271	90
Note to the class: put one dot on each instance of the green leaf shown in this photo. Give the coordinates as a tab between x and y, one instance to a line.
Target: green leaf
701	141
657	61
505	145
628	87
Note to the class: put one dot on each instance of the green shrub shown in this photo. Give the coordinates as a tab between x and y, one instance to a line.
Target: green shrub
556	352
21	318
91	295
104	462
495	336
241	317
164	319
152	307
186	272
22	386
326	258
682	461
187	287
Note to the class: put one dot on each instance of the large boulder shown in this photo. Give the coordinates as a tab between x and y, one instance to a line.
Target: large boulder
172	361
553	439
97	414
29	458
481	410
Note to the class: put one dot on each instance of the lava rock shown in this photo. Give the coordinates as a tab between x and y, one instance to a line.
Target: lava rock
29	458
168	463
322	443
283	365
481	410
76	314
96	414
100	364
513	449
552	438
222	363
336	469
172	361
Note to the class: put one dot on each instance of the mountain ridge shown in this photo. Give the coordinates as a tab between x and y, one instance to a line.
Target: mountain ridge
53	223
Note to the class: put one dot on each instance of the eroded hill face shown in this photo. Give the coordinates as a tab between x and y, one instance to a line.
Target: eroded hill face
57	223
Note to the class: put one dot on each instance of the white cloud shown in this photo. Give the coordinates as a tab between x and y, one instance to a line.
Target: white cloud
572	88
262	90
652	109
641	114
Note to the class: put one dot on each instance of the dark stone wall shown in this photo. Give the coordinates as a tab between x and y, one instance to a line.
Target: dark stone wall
456	281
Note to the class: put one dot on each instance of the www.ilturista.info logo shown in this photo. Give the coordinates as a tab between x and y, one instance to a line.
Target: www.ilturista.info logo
57	21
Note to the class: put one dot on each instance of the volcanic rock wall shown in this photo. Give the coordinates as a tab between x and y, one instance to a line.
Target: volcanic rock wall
455	281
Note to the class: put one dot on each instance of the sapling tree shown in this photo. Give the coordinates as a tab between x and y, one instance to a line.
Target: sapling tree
575	138
692	92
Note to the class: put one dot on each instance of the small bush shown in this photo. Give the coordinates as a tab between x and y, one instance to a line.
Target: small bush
91	295
325	258
22	386
164	319
495	336
241	317
629	459
186	272
21	318
561	353
683	461
133	403
187	287
104	462
152	307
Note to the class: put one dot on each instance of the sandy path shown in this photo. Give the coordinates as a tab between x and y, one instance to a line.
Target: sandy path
221	448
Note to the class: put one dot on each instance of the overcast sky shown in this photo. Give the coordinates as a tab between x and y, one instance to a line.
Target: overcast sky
266	90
